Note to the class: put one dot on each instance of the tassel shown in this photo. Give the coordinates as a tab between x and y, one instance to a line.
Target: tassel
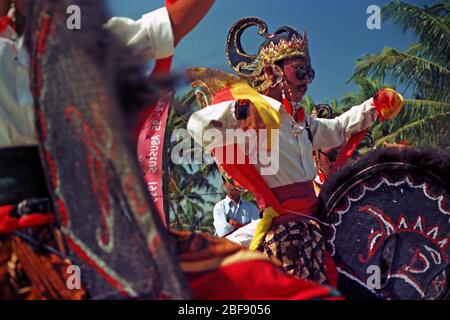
5	21
286	103
300	116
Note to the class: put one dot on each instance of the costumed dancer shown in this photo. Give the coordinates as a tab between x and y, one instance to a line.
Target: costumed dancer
276	80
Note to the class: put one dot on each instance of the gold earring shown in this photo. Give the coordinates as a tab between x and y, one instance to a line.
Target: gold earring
278	75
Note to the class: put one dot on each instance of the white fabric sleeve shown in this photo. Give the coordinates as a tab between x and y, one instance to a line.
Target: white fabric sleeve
328	133
244	235
152	35
218	117
220	222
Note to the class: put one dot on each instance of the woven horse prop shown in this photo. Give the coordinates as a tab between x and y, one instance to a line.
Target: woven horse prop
87	86
386	219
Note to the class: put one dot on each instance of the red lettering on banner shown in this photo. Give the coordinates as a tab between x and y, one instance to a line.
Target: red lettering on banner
150	152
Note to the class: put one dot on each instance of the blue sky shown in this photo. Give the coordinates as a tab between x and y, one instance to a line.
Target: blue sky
336	29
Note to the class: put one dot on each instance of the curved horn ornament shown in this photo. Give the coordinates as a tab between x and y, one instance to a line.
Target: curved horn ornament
242	62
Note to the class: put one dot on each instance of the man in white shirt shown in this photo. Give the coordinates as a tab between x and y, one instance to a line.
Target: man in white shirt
156	34
232	213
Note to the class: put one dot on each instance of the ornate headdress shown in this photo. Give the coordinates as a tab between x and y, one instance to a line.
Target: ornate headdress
285	43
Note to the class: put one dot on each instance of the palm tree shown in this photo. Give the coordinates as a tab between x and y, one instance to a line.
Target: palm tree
192	193
367	89
423	69
188	203
308	104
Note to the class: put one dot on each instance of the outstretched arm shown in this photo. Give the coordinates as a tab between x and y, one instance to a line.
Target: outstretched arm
385	105
156	33
185	15
328	133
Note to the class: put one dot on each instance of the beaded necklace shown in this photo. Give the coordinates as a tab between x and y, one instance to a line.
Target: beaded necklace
294	108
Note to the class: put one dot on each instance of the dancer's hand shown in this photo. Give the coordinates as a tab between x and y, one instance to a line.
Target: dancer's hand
253	120
388	103
235	224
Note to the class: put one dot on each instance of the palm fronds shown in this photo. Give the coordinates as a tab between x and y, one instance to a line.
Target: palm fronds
424	77
416	128
192	193
367	89
430	24
426	103
423	68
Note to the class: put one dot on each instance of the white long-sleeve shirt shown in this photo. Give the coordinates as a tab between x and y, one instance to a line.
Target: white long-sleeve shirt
295	152
243	212
152	35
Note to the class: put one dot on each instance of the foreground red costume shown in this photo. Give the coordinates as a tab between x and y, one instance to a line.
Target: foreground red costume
218	269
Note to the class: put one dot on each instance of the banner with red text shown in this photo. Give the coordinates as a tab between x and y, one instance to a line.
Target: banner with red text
150	152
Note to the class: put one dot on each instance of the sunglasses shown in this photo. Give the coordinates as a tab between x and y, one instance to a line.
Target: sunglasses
305	73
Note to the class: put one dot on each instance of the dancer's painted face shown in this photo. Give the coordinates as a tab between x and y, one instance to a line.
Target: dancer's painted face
298	74
232	190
